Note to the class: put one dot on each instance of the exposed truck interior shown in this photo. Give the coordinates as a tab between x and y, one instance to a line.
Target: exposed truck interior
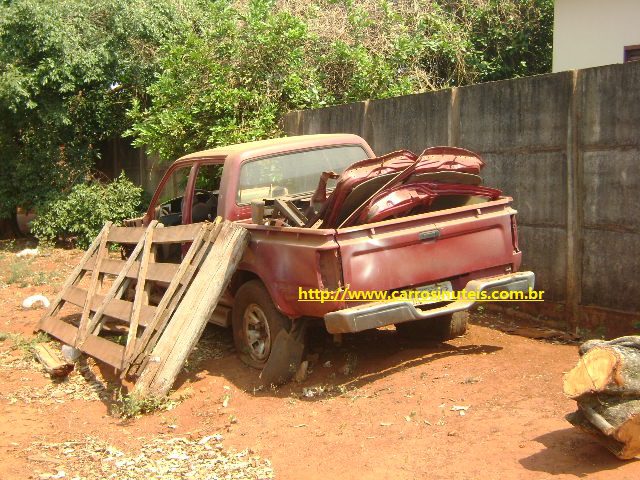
392	186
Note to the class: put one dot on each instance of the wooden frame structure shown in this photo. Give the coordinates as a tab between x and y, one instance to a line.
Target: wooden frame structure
144	320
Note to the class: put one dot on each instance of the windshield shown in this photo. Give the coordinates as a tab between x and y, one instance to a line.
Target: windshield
295	172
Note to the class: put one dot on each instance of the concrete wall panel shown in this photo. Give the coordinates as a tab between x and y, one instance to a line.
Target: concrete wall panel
536	181
611	181
611	263
610	105
413	122
513	114
544	252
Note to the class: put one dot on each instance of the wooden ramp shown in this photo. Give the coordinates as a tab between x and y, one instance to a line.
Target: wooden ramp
159	307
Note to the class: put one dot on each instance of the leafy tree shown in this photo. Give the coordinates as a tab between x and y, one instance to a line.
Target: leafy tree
79	215
232	80
181	75
252	61
69	70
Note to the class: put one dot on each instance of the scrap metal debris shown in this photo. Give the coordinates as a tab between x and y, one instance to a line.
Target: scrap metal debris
166	458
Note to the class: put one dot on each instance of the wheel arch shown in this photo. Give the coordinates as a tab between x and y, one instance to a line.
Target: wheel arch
240	277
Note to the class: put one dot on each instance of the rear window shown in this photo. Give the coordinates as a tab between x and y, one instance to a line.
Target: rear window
293	173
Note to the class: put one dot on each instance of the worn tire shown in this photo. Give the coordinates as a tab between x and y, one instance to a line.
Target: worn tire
441	328
252	301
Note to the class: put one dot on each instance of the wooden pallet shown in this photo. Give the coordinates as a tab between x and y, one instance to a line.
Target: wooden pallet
144	321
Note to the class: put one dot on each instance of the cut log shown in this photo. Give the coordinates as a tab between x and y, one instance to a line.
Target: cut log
578	419
617	418
52	361
631	341
192	314
605	368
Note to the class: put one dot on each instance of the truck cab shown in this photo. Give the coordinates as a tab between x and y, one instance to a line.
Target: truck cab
223	181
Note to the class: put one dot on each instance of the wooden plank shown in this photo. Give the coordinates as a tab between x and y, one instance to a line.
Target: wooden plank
51	361
104	350
115	308
126	234
93	284
63	331
164	308
117	289
177	234
158	272
193	312
72	279
100	348
140	296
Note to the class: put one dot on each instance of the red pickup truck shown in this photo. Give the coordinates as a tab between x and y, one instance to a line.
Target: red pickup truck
468	245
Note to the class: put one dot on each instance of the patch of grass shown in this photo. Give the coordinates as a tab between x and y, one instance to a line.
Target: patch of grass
44	278
26	344
4	336
8	246
19	273
131	406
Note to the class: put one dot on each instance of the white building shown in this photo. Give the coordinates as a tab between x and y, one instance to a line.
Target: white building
590	33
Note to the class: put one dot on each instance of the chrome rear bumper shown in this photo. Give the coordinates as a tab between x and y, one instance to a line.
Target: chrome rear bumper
376	314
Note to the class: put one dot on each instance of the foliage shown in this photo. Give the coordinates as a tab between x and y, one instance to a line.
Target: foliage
231	79
130	405
80	215
69	70
181	75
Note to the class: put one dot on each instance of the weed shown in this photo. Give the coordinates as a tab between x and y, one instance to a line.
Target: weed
26	344
8	246
129	405
43	278
4	336
19	272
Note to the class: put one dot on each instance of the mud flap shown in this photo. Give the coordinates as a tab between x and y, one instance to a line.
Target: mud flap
286	355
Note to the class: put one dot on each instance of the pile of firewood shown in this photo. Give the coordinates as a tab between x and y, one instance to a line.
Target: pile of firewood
606	386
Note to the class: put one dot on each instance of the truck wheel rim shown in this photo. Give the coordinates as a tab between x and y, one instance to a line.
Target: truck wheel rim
257	334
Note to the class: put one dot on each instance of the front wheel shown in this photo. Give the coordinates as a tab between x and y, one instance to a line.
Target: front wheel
442	328
256	323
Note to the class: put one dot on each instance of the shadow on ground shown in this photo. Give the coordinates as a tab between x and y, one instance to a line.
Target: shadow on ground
570	451
360	360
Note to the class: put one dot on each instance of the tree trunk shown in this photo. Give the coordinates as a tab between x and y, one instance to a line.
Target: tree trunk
606	368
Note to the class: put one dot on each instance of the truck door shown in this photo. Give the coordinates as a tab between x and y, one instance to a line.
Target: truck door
171	204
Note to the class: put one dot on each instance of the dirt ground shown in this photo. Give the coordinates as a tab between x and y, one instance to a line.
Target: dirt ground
488	405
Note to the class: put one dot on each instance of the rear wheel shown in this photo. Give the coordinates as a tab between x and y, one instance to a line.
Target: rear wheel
441	328
256	323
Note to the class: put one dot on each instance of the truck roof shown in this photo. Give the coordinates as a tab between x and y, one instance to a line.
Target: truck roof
275	145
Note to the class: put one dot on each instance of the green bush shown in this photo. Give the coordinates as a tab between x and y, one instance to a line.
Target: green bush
79	216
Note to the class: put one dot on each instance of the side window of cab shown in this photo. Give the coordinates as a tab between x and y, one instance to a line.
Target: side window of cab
206	192
169	201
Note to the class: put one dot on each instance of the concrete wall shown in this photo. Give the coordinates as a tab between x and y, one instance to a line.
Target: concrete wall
566	146
590	33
